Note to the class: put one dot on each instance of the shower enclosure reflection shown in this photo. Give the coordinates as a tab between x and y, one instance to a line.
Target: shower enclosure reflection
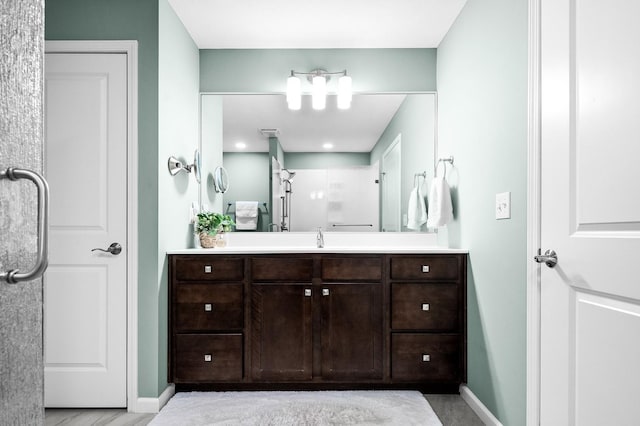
334	199
286	180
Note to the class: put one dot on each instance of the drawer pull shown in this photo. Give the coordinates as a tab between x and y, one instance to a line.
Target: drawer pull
325	291
426	358
307	292
425	307
208	358
425	269
208	269
208	307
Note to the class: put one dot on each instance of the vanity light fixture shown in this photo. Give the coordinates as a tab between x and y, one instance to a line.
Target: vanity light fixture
327	145
318	79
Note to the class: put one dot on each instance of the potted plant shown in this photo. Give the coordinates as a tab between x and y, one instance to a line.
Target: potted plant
210	226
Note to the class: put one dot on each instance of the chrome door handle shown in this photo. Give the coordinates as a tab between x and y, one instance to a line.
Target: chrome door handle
13	276
114	248
549	258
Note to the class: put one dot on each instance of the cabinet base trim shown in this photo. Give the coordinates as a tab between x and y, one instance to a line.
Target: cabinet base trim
478	407
153	405
448	388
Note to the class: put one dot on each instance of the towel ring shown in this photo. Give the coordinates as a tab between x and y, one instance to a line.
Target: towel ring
444	162
416	178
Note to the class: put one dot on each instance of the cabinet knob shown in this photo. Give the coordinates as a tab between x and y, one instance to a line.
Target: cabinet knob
307	292
425	268
325	291
208	269
208	307
208	358
426	358
425	307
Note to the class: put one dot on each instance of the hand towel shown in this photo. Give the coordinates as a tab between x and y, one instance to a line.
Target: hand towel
247	215
440	208
417	212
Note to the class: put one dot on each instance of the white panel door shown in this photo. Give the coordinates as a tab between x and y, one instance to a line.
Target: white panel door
590	302
391	187
86	291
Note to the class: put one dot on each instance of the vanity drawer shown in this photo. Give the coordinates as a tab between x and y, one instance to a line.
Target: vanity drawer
208	357
282	269
418	357
351	268
208	268
425	268
202	307
424	306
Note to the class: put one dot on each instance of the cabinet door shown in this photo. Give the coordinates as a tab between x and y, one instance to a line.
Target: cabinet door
281	332
351	331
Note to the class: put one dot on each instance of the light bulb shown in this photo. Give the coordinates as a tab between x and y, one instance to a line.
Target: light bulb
294	93
344	92
319	92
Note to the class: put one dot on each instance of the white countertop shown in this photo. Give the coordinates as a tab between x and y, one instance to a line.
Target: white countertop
334	242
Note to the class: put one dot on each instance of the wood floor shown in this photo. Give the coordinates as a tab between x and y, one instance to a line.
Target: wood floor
451	409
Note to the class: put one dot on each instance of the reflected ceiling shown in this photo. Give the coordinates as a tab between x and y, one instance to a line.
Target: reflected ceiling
354	130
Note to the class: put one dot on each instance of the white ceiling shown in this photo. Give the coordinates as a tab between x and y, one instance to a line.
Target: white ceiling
303	24
306	24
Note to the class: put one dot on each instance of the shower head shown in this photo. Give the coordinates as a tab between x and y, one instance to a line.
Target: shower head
287	175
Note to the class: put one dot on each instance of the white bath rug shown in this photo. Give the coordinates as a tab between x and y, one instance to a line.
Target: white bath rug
402	408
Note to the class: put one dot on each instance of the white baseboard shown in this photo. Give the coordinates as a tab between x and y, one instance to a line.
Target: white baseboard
153	405
478	407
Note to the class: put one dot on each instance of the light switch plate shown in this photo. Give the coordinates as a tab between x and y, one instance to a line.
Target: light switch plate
503	205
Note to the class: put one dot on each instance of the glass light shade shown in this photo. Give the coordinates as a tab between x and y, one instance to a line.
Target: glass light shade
294	93
319	92
344	92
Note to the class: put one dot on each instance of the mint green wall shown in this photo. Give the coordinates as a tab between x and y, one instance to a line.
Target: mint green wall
482	109
248	181
415	121
178	106
129	20
325	160
372	70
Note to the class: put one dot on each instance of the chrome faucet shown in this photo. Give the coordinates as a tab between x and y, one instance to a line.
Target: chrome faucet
320	238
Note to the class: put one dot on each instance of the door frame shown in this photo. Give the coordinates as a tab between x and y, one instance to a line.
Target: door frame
130	48
534	197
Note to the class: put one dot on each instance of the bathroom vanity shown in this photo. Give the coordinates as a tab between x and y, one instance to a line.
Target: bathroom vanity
302	318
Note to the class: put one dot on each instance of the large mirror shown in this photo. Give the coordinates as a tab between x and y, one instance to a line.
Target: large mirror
342	170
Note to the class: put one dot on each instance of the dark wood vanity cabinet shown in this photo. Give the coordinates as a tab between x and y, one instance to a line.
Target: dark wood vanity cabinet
428	318
317	321
297	318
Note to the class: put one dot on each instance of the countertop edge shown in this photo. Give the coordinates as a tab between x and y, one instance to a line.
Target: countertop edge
312	250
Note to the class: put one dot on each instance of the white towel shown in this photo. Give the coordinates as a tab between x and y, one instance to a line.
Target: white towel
247	215
417	212
440	208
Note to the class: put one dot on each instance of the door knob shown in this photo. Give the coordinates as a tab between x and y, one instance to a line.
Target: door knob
114	248
549	258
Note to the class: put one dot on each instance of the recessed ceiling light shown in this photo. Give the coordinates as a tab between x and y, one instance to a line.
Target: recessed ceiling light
327	145
241	145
